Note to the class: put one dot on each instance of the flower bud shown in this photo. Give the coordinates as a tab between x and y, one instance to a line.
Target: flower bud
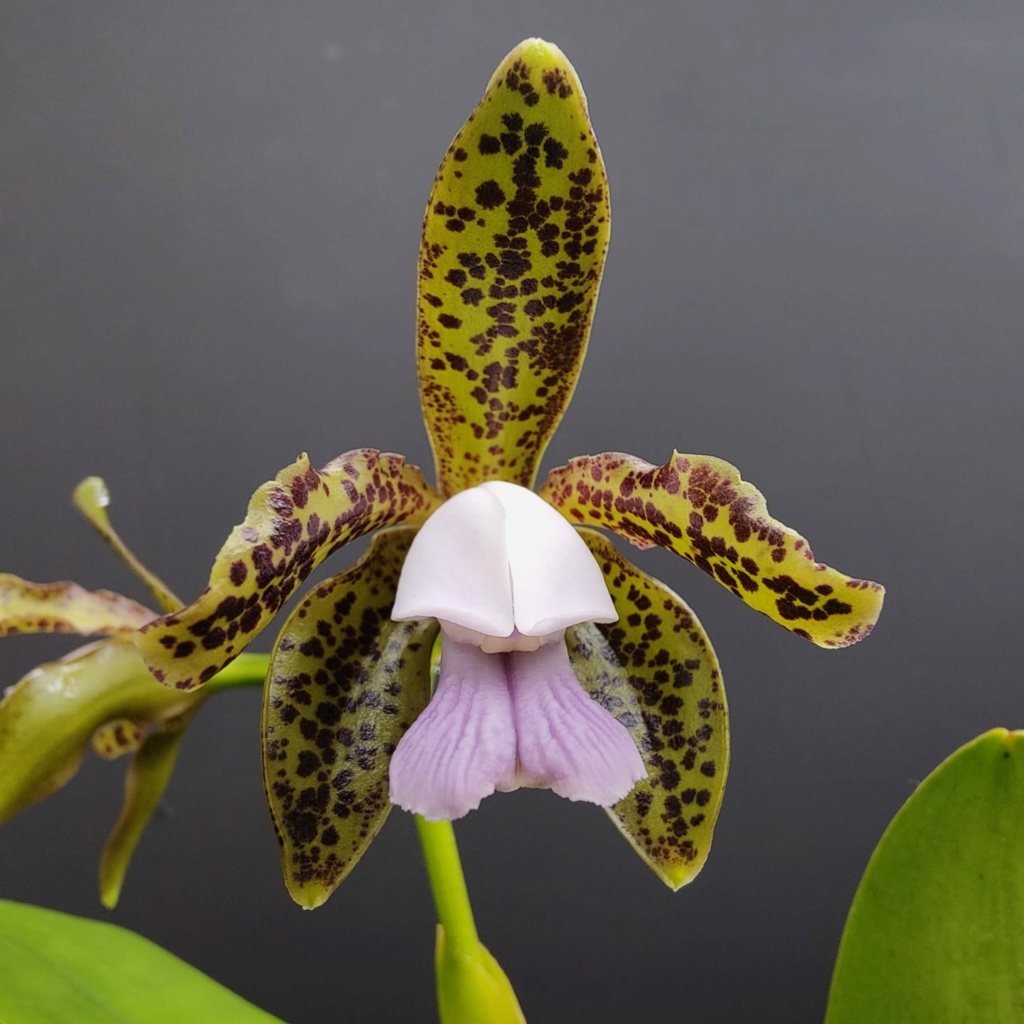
472	987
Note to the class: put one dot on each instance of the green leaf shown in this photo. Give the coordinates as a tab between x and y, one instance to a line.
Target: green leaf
345	683
936	931
514	241
656	671
59	969
700	508
292	524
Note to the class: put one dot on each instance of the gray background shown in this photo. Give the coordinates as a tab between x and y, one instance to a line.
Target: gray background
208	222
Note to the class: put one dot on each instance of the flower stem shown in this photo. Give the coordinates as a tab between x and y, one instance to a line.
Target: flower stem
245	670
447	882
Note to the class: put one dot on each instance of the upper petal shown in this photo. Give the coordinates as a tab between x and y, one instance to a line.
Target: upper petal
457	567
555	580
514	241
699	507
345	683
293	523
65	608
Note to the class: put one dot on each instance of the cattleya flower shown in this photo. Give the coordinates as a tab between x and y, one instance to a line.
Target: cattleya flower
561	664
101	691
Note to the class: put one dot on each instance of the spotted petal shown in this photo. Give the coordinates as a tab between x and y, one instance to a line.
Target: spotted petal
293	523
65	608
514	242
700	508
345	683
656	672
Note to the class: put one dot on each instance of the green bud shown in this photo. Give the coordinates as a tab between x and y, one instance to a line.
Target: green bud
471	986
104	691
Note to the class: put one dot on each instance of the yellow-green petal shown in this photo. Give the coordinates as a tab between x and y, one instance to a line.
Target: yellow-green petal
700	508
47	718
345	683
91	498
656	671
293	523
65	607
514	241
144	787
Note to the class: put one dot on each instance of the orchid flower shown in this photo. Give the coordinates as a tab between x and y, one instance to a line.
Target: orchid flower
101	691
561	664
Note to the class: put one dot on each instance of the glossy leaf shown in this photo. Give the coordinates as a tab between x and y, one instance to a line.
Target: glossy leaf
47	718
514	241
700	508
144	788
344	685
293	523
91	498
656	671
935	932
59	968
65	608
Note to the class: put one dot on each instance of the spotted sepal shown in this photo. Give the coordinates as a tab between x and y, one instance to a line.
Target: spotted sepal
118	737
700	508
514	241
144	788
65	608
293	523
656	671
345	683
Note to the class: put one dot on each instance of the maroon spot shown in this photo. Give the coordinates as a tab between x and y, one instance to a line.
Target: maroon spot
554	154
489	194
535	134
299	491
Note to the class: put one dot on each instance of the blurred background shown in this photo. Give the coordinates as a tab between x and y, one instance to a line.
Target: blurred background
209	217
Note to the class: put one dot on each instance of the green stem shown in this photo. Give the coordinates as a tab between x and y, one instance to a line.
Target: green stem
448	883
245	670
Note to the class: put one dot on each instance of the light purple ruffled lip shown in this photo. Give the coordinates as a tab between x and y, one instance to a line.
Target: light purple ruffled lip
500	721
